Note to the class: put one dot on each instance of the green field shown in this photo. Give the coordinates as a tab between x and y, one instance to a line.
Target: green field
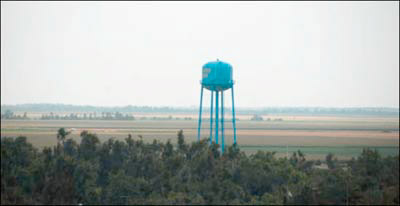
319	152
315	136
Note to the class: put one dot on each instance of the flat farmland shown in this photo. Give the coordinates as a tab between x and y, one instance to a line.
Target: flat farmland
316	136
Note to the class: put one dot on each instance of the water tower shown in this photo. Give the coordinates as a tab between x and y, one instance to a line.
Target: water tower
217	77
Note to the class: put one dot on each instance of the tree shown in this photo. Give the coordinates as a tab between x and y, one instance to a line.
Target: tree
181	142
88	146
330	161
8	114
62	134
71	147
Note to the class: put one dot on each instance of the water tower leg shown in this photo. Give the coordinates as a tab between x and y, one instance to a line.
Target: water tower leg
233	118
211	115
201	102
216	117
222	123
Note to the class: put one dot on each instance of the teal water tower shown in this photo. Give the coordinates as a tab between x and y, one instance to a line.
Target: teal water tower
217	77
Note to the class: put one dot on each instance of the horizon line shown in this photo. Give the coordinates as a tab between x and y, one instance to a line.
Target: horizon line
191	106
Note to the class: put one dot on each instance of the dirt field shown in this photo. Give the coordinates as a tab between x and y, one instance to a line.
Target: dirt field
316	136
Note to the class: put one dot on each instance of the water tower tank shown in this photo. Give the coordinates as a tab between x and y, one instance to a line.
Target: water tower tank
217	76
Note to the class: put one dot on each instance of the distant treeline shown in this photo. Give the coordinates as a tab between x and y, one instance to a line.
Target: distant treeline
88	116
9	115
171	110
103	116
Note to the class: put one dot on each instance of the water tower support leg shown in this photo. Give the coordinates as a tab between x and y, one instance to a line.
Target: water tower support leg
211	115
222	123
216	117
201	102
233	118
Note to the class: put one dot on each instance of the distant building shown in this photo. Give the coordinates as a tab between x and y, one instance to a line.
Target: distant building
256	118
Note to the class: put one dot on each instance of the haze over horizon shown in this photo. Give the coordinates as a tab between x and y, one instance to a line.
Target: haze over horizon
189	106
284	54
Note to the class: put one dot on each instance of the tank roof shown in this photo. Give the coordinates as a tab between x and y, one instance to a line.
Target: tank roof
218	62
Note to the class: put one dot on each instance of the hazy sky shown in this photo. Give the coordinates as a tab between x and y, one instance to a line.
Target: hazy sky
339	54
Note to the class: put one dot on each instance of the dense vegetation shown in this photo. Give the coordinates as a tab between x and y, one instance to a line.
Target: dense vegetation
132	172
194	110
